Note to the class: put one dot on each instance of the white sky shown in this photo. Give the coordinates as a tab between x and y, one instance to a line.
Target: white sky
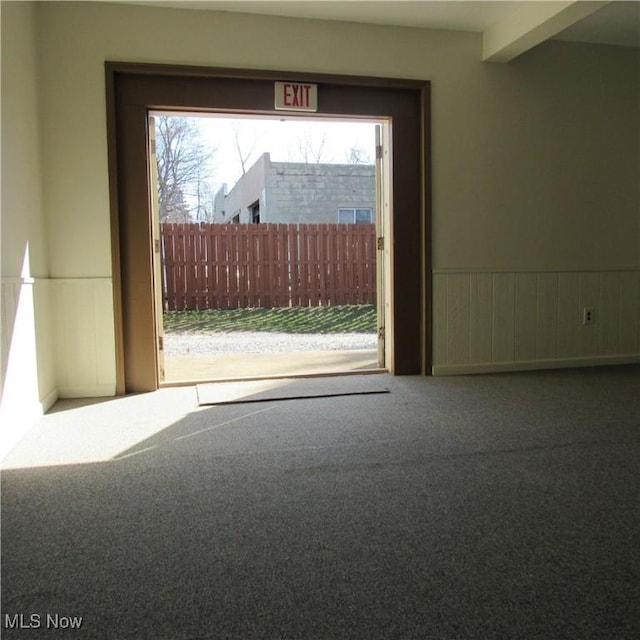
283	139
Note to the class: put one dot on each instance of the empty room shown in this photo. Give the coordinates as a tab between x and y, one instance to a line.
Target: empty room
479	479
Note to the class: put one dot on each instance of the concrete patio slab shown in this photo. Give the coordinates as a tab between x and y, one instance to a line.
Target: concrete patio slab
229	366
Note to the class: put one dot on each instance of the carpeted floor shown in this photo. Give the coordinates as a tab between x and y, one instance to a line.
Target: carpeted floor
467	508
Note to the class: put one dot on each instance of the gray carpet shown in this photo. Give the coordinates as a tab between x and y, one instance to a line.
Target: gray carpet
288	389
470	508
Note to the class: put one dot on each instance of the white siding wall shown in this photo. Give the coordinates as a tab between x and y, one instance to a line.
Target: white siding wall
27	383
84	337
56	340
493	321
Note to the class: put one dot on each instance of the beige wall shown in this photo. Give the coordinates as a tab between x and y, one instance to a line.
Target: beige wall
541	175
535	163
23	231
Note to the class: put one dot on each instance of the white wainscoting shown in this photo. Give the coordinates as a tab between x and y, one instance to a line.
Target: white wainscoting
28	385
84	337
510	321
56	340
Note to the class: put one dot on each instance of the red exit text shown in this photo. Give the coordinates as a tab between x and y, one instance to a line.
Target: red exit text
296	96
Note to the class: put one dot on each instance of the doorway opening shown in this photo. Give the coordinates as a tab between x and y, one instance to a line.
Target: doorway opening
133	90
269	235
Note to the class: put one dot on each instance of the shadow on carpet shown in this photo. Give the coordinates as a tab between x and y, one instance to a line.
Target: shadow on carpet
287	389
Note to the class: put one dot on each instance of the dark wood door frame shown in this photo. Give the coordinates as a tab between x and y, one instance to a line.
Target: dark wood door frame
135	89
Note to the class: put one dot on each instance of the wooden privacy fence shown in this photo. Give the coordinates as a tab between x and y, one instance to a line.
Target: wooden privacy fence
232	266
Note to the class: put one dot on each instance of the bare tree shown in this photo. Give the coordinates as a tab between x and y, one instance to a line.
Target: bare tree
310	150
244	150
204	205
357	155
183	167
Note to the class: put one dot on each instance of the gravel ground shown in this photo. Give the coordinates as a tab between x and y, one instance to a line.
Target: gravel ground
176	344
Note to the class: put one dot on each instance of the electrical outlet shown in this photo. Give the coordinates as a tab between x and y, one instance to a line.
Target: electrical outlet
588	316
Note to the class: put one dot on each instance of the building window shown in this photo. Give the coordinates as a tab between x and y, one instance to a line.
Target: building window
355	216
254	212
235	219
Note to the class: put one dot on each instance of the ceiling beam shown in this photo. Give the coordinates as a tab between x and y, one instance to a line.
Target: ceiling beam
531	24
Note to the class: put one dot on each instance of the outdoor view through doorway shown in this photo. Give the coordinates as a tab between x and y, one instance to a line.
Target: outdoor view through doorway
266	234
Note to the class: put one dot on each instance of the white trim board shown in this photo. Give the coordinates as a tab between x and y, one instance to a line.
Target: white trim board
533	365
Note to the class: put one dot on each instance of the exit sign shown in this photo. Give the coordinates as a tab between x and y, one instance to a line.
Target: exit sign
296	96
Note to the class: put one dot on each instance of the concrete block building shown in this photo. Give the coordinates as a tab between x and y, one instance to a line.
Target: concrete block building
292	192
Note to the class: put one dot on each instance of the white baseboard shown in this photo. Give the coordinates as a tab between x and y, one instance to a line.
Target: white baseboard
533	365
49	400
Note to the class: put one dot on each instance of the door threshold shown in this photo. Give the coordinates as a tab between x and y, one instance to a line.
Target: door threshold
279	376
